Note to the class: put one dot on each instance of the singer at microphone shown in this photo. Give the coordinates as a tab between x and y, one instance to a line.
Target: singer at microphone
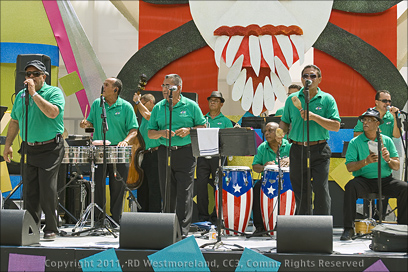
387	113
323	117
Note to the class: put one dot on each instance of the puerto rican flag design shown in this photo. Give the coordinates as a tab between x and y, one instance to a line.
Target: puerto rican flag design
269	200
237	197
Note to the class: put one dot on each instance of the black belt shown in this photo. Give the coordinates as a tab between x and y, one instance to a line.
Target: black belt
54	140
150	150
179	147
310	142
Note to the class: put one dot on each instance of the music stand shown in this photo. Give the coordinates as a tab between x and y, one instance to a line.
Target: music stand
232	142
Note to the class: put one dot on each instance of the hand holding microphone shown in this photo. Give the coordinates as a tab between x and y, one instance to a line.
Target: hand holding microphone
395	110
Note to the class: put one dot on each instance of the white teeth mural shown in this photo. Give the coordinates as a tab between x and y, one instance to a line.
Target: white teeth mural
238	88
259	41
269	96
235	70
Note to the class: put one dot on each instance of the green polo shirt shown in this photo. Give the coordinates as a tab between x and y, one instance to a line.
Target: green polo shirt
40	127
386	128
149	143
186	113
322	104
220	121
357	150
120	117
265	153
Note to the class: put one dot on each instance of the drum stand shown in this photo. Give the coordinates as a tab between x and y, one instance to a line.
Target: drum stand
220	224
90	210
280	176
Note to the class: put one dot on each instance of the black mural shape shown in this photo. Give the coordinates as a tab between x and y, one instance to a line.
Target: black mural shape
335	41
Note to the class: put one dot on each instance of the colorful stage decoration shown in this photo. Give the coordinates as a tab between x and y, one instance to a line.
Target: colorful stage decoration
254	56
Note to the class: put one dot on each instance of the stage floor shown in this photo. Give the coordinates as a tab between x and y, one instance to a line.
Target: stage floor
66	251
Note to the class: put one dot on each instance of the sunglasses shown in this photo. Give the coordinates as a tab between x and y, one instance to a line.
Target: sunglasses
312	76
385	100
34	73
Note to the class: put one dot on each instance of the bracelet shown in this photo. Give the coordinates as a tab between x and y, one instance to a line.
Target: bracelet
365	161
388	161
34	94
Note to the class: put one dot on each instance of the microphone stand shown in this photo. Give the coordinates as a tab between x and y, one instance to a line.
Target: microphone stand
23	160
404	144
167	194
308	183
380	204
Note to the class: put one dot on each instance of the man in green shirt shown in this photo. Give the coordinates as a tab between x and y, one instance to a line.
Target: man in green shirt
209	165
323	116
388	127
291	89
45	147
267	155
364	164
122	129
148	194
186	115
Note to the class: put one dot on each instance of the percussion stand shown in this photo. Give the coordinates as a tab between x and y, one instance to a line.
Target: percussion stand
280	177
90	210
228	147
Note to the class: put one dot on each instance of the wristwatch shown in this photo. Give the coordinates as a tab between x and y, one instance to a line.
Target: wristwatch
137	102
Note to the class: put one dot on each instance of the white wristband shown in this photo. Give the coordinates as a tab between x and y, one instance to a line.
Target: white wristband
34	94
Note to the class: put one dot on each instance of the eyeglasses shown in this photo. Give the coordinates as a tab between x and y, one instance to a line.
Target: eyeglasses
312	76
214	100
35	73
167	86
385	100
368	120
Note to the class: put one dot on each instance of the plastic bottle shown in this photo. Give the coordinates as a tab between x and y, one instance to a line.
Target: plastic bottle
212	234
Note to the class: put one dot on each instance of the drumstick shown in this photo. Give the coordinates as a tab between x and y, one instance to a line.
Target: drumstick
86	110
296	102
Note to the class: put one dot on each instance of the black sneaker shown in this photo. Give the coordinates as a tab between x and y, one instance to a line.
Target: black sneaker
348	234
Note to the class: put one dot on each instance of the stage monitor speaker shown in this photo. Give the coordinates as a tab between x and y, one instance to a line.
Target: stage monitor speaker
18	228
304	233
148	230
21	62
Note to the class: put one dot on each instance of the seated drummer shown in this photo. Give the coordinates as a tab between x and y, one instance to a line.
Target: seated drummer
266	155
364	163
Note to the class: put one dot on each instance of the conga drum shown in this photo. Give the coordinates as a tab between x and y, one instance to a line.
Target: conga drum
237	197
269	196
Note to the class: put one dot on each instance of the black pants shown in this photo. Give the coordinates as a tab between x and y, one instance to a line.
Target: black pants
256	206
319	168
205	167
40	183
148	194
181	183
359	187
116	188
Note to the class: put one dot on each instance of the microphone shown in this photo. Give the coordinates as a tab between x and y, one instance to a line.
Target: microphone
101	102
173	88
308	82
399	111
